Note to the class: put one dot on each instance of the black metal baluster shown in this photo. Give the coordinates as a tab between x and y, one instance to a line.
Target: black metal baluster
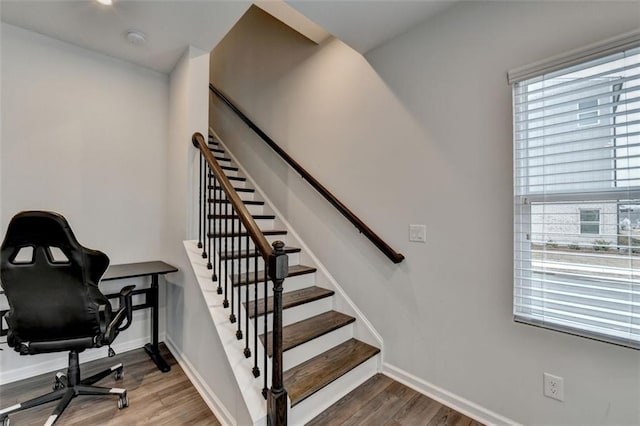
232	317
225	303
209	219
256	370
216	218
247	351
200	204
239	331
265	389
219	240
204	211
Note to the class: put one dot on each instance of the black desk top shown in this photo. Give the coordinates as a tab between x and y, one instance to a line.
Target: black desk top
142	269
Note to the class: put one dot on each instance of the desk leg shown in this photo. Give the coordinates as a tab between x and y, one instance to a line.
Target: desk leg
152	348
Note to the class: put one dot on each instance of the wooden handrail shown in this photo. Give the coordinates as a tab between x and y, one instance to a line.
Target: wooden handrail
394	256
276	269
245	217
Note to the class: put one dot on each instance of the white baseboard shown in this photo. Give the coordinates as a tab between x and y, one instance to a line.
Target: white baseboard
61	362
207	394
447	398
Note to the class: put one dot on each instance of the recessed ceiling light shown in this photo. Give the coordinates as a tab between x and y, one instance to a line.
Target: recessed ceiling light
105	2
135	37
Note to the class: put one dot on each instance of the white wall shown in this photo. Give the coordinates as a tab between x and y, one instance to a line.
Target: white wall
1	121
422	134
190	331
85	135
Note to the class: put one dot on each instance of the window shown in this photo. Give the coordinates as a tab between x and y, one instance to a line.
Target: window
589	221
577	193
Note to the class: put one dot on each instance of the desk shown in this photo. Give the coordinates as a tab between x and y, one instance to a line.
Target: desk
144	269
135	270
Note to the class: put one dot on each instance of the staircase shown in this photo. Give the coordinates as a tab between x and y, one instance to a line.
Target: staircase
328	347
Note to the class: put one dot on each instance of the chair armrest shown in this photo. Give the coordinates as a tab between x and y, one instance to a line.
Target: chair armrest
125	311
126	303
102	318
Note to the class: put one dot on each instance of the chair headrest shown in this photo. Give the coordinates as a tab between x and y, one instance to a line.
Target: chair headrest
39	228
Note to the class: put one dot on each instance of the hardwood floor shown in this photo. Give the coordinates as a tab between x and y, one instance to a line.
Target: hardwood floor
154	397
170	399
382	401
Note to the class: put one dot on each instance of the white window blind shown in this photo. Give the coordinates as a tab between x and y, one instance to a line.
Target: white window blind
577	198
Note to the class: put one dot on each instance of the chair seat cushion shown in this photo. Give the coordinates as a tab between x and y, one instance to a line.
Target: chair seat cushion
78	344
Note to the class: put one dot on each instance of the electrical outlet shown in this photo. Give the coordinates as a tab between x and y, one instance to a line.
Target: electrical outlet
553	387
418	233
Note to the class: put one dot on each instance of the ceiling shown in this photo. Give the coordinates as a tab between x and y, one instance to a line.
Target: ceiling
169	26
172	25
367	24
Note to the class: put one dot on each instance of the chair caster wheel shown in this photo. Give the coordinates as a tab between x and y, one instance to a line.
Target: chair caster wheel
60	382
123	401
119	374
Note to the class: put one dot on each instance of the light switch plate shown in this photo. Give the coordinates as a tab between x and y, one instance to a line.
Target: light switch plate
418	233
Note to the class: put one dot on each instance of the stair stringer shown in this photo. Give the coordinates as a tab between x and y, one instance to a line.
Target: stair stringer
363	329
250	387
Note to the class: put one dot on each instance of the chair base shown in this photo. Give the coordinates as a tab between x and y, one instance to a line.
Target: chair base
66	387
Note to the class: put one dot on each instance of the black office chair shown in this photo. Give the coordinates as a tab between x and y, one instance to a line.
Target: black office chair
51	283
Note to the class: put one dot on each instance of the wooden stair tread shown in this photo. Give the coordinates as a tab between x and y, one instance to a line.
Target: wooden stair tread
239	178
228	216
253	253
225	159
303	331
247	202
230	168
307	378
293	271
291	299
236	189
217	150
244	233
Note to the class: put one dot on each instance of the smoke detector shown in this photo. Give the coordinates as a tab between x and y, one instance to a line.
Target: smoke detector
135	37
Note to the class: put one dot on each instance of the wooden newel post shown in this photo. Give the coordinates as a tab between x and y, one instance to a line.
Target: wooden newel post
277	397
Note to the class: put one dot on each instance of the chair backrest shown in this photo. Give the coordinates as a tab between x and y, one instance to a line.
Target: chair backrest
50	280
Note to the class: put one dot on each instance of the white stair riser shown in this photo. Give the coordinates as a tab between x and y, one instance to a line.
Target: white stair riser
241	240
263	224
222	160
324	398
242	194
239	183
316	346
298	313
236	226
220	209
290	284
299	281
294	259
